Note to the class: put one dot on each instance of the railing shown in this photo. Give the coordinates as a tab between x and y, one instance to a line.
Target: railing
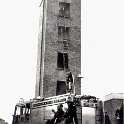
63	21
63	45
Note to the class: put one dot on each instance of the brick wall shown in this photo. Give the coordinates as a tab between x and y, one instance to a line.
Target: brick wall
50	72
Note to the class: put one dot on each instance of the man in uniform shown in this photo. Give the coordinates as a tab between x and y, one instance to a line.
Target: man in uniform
71	113
69	82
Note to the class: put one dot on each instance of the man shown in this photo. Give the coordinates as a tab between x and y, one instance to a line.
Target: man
107	120
69	81
71	115
59	115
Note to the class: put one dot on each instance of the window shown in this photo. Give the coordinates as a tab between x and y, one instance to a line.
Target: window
61	88
60	63
64	9
66	60
63	33
62	60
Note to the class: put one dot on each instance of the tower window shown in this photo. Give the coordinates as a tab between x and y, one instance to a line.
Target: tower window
66	60
63	33
62	60
64	9
61	88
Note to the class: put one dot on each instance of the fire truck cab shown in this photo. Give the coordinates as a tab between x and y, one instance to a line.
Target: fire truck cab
22	113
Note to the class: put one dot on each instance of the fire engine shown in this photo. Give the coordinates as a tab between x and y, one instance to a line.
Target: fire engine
41	110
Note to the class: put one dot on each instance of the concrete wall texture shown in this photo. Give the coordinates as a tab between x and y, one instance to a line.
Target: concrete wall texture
48	47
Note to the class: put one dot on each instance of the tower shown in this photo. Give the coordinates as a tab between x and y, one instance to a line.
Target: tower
59	47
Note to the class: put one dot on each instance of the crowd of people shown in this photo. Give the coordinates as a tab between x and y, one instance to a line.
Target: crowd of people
61	117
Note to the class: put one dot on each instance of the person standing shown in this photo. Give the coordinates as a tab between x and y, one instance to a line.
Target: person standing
71	114
69	82
107	120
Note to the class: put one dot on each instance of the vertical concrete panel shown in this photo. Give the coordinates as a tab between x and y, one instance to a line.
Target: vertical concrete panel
88	115
99	113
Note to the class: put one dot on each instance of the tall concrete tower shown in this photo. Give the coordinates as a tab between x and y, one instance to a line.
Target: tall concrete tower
59	47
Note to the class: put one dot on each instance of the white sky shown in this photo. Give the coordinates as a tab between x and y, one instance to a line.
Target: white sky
102	49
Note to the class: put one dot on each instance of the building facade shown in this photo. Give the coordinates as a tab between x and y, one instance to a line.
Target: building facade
59	47
114	108
2	121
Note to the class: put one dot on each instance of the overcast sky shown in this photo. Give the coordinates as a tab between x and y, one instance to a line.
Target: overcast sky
102	49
